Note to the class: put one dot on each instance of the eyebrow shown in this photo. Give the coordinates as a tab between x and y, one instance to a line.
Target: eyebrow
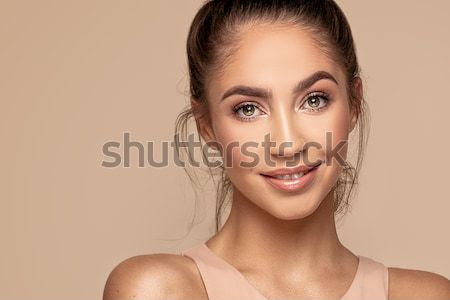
266	94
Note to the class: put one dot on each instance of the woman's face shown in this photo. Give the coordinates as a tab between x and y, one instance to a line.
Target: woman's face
270	105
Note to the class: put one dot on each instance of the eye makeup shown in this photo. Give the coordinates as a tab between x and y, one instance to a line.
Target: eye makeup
249	110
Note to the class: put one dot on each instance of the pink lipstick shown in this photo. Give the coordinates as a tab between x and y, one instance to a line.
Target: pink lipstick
292	179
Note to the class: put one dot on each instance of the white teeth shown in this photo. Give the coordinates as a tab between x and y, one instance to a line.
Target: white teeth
290	177
297	175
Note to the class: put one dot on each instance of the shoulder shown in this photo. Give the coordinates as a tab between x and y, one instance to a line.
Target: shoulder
417	284
153	276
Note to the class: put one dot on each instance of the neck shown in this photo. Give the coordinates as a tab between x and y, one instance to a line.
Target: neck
261	240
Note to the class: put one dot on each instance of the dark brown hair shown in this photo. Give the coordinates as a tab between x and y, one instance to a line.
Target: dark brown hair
212	38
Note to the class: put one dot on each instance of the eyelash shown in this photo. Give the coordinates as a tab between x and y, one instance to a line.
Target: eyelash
237	108
321	95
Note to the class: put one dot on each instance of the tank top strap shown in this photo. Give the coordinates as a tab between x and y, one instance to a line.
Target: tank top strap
372	282
221	281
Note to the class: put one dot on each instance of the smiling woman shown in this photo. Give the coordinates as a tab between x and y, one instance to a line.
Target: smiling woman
288	70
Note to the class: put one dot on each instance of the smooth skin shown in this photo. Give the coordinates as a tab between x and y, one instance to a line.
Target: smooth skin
285	244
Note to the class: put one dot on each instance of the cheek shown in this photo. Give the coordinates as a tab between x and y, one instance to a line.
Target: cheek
333	137
330	131
241	142
338	132
230	137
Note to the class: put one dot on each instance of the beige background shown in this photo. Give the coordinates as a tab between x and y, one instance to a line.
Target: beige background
76	74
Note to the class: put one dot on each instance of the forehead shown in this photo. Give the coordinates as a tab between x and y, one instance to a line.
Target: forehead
272	56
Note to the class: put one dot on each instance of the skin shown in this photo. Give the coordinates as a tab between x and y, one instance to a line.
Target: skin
285	244
289	237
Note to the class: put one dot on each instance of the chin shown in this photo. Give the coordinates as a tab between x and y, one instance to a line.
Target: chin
294	207
282	204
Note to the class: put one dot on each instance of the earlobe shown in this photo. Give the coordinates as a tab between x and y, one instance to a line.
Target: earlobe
354	117
355	108
203	125
353	120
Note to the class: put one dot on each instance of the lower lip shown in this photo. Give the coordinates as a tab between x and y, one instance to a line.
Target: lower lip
292	185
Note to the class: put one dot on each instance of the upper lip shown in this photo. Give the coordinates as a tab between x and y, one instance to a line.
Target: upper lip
290	171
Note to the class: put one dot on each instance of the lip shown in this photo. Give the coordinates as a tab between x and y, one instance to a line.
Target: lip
290	171
292	185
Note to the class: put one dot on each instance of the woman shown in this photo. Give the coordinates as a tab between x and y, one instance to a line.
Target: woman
279	81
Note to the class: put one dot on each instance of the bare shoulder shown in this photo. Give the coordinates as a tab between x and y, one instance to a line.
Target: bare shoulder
153	276
416	284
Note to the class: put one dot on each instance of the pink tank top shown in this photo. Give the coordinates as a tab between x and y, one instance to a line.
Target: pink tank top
224	282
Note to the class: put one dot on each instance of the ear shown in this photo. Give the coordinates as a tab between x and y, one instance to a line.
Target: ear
203	123
358	92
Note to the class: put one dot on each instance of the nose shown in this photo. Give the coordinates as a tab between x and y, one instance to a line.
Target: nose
286	138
